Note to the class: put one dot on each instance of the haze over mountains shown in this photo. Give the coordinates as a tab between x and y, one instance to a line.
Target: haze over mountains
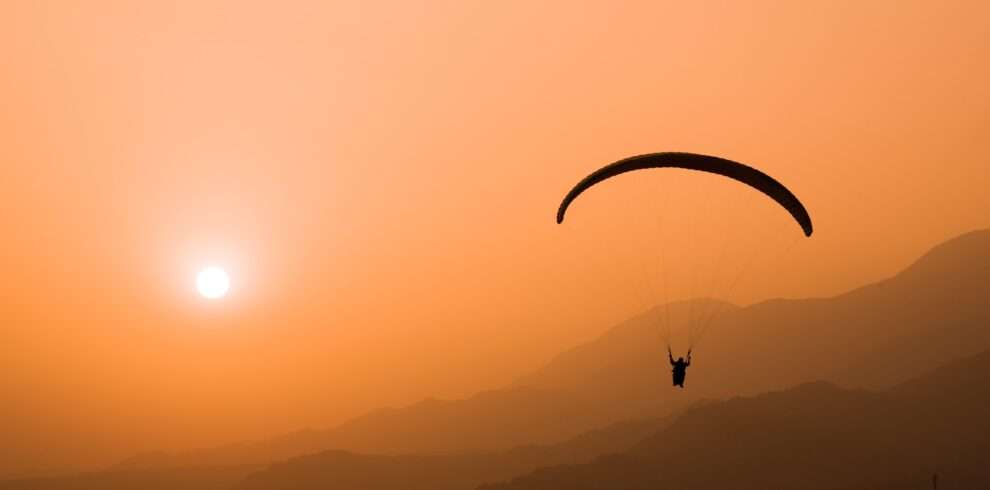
341	469
874	337
813	436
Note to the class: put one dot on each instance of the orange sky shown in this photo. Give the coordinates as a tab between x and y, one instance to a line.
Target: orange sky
381	181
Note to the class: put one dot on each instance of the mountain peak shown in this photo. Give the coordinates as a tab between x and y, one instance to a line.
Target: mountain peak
957	377
957	259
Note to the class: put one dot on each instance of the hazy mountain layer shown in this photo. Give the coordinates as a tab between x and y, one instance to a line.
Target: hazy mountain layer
343	470
814	436
871	337
190	478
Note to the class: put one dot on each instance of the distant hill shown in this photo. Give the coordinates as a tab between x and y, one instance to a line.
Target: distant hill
340	469
871	337
814	436
191	478
462	471
489	421
956	377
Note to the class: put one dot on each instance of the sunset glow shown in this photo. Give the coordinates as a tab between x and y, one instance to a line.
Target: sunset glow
228	221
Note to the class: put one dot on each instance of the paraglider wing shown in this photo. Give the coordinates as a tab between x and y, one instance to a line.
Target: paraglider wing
703	163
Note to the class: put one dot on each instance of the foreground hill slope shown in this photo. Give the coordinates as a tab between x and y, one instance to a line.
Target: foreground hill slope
814	436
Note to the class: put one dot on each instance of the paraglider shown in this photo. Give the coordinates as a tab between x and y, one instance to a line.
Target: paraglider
679	366
739	172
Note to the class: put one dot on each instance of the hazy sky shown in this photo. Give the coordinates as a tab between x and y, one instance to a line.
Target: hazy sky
380	180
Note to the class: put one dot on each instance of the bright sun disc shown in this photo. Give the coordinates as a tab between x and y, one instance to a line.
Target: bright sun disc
212	282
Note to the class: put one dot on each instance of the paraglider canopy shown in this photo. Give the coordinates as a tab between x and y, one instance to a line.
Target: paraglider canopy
703	163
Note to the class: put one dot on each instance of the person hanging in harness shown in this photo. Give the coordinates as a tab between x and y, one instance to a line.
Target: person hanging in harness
680	366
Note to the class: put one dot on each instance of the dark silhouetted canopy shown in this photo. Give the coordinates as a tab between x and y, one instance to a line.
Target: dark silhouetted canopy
703	163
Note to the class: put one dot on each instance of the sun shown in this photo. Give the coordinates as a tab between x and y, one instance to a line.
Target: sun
213	282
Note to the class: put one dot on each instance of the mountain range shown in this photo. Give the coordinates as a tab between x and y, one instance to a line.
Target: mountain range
872	338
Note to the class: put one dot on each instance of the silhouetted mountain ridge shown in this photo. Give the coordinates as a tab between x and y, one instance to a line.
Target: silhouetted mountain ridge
813	436
514	416
345	470
186	478
958	378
